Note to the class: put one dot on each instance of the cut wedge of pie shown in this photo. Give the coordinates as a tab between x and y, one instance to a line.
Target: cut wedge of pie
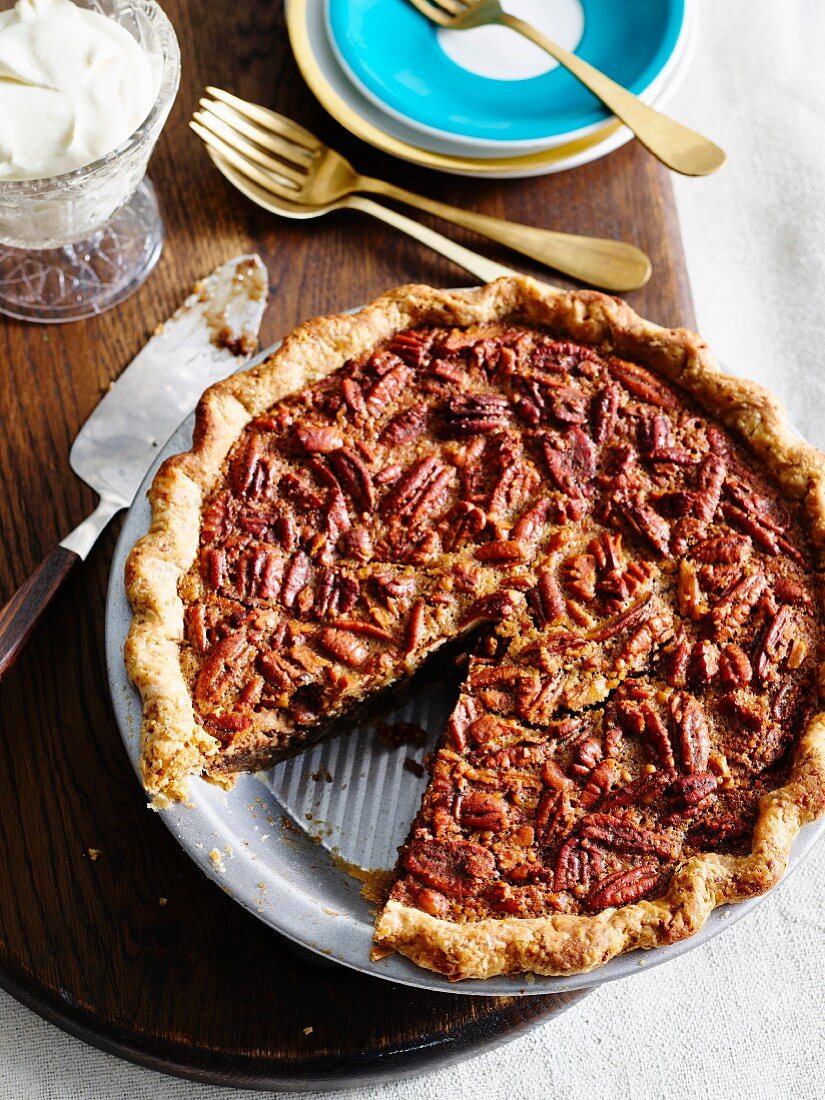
628	541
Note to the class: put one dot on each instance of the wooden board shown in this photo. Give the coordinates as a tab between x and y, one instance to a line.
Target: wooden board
196	986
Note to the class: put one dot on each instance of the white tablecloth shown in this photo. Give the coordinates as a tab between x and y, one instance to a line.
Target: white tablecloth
741	1016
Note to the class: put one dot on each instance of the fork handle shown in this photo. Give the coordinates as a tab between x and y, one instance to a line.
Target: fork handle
612	265
675	145
484	269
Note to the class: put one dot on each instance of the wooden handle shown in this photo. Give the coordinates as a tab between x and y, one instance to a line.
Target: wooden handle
669	141
599	261
26	607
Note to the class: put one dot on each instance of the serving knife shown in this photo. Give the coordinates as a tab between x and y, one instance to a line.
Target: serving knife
212	334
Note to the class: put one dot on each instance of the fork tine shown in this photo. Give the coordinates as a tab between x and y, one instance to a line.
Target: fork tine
435	14
235	141
270	120
293	154
252	171
454	7
252	191
442	12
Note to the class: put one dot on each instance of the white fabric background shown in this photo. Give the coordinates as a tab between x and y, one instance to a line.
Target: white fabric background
743	1015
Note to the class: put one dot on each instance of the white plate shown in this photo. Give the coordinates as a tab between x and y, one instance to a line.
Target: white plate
275	843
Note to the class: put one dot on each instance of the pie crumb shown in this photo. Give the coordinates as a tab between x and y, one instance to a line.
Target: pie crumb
162	901
308	1030
93	853
215	856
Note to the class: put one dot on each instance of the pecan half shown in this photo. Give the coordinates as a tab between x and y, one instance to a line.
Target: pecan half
640	792
388	388
704	663
250	469
500	552
645	520
642	384
344	646
335	594
598	785
514	489
260	569
532	522
418	490
354	478
572	867
724	549
485	812
690	731
604	412
296	577
216	521
546	601
318	439
571	461
415	629
691	790
220	667
657	736
406	426
476	413
711	478
788	590
462	524
622	888
624	836
580	576
498	605
730	612
536	699
457	868
735	669
677	668
652	633
776	642
412	346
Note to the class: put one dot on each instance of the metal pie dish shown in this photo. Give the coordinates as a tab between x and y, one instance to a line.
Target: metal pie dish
284	843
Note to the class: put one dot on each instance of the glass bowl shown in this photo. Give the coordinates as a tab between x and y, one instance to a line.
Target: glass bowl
76	244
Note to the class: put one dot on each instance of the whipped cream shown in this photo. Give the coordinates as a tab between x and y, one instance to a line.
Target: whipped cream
74	85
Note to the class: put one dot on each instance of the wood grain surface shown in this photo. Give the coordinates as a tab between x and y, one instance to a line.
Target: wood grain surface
193	984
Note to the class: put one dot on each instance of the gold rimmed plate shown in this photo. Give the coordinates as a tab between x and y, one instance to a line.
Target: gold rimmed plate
331	87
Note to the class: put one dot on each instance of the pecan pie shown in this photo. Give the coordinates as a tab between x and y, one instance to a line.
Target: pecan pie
631	544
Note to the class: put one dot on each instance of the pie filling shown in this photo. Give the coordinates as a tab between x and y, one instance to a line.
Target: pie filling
641	602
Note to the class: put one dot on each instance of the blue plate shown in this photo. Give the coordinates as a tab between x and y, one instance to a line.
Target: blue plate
405	63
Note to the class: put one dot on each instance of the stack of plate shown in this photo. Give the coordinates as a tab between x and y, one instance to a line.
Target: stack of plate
487	102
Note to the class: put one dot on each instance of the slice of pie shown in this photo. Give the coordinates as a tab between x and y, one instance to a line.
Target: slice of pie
628	541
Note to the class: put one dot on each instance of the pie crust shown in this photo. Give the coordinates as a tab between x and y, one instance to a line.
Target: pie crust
175	745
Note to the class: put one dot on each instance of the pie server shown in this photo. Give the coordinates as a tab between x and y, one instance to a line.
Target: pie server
212	334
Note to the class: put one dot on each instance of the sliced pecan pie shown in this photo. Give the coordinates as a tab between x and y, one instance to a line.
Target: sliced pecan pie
631	543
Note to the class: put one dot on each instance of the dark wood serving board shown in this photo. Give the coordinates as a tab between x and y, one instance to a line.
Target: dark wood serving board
197	986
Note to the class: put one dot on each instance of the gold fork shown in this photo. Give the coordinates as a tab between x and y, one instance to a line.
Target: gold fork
485	270
292	165
675	145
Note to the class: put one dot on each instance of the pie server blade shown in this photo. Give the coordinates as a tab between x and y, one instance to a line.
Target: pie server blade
212	334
